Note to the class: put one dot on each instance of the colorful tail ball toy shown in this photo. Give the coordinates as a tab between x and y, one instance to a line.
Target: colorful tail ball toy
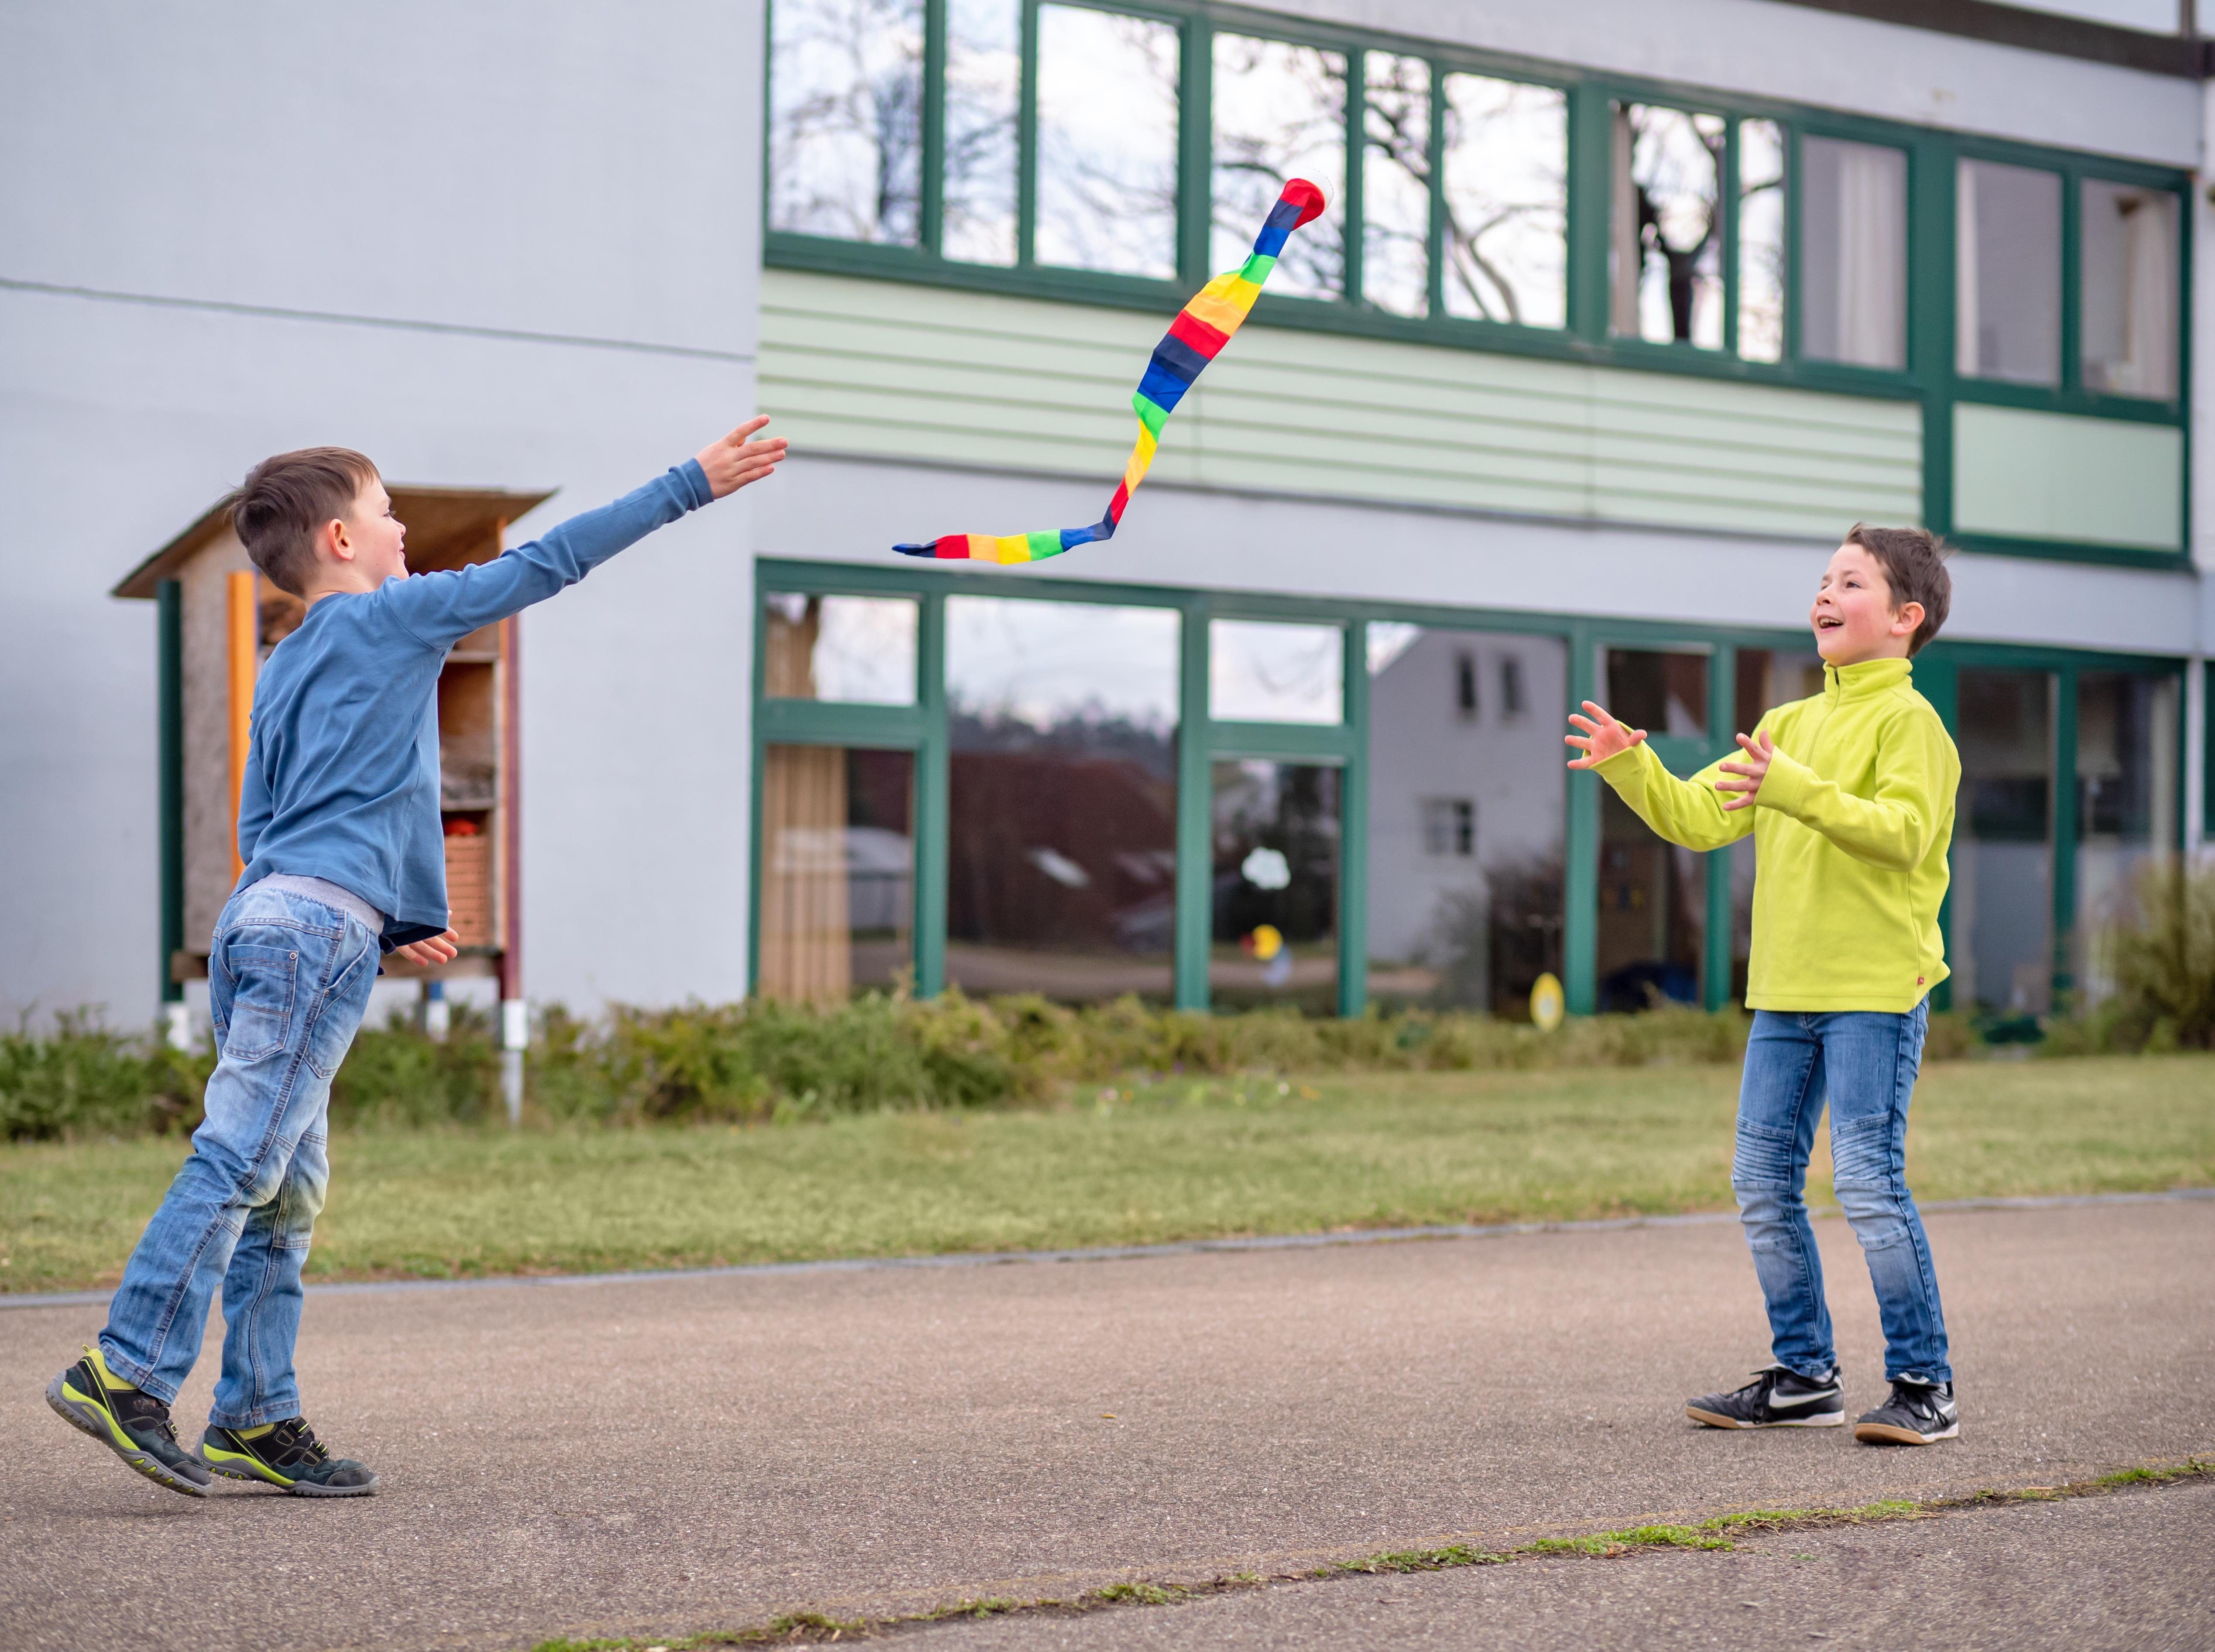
1194	339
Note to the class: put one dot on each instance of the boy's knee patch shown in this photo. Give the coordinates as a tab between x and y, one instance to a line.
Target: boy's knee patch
1873	1208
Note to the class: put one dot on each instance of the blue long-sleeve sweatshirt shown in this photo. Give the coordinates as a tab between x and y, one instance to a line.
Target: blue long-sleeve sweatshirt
342	769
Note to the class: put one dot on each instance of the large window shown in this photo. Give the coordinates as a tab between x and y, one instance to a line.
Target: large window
1853	253
2007	309
2128	248
1466	821
2126	808
1061	719
1106	142
846	119
2001	950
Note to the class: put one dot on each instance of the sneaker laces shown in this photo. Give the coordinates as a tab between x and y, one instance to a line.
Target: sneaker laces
1917	1399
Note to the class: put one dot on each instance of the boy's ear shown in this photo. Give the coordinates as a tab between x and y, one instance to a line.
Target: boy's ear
333	537
1906	618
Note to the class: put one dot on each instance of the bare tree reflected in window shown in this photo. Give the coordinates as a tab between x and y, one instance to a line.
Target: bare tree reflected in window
1106	142
846	119
1507	147
984	69
1760	240
1396	178
1665	242
1280	112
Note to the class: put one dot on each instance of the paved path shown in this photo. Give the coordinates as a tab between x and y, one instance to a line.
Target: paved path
662	1456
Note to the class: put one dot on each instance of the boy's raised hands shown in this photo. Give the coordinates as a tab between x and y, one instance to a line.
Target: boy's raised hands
1603	737
1758	749
737	459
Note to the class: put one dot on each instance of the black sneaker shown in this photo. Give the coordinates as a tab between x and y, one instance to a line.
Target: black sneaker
1777	1397
1918	1414
134	1426
289	1456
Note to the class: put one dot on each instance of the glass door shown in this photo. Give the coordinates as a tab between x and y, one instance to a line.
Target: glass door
1651	934
2002	945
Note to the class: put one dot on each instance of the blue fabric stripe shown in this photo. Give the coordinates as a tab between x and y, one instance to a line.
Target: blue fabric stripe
1179	357
1163	388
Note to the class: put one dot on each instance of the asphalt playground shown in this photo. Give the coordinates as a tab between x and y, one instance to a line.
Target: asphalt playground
656	1457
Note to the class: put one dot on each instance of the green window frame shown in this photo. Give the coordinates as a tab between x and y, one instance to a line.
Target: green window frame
1201	740
1929	375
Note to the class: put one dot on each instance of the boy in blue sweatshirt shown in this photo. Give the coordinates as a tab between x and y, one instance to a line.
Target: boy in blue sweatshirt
339	828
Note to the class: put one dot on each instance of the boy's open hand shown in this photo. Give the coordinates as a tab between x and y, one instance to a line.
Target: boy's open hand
1604	737
736	460
439	950
1758	750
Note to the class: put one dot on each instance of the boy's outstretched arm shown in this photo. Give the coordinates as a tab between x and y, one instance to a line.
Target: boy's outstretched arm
1686	812
441	608
1916	773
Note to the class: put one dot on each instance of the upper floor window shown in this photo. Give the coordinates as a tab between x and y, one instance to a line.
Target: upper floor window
1665	229
2007	308
1853	253
846	119
1107	141
2127	287
1279	113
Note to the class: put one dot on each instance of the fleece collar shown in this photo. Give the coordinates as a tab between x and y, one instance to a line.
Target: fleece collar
1870	677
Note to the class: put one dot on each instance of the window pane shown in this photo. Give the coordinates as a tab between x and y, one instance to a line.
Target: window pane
859	650
1853	254
1061	875
1760	240
1107	142
2008	311
837	871
1766	680
984	67
846	140
2127	807
1506	200
1465	819
2001	949
1396	184
1652	926
1279	113
1261	671
2129	295
1665	243
1665	694
1276	887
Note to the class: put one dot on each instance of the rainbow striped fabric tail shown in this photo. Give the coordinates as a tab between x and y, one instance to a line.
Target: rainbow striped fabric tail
1195	338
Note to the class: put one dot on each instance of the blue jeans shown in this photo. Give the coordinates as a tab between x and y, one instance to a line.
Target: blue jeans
1865	1064
288	981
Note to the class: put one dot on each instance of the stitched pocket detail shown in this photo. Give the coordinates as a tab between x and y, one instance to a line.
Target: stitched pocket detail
264	984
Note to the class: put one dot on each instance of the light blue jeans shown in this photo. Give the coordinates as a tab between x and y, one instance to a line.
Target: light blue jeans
1865	1065
288	982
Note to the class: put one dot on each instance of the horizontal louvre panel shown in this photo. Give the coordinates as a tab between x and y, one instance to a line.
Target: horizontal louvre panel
897	370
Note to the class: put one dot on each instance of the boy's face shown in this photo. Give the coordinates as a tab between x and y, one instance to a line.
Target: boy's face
1853	616
377	538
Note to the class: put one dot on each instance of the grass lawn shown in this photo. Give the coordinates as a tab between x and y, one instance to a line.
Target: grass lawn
1181	1159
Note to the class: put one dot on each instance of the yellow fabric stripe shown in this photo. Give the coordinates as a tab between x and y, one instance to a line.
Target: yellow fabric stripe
1142	458
1012	547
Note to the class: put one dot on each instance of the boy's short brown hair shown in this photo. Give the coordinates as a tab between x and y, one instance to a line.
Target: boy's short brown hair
1914	564
285	499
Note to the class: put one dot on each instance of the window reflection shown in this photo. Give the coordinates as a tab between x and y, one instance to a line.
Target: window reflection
2000	943
2007	316
1766	679
1665	694
984	68
1506	200
2129	259
1853	253
1061	874
2127	807
1665	240
1760	240
837	871
1107	141
1275	930
1465	817
859	650
1396	183
846	119
1280	112
1259	671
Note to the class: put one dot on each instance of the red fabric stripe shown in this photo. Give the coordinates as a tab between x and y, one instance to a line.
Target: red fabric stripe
952	545
1115	504
1197	334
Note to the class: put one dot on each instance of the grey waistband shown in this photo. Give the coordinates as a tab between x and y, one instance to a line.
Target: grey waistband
330	894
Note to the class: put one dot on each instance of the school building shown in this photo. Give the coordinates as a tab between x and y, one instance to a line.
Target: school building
1621	314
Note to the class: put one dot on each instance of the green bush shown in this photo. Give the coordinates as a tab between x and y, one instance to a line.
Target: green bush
2163	963
83	1079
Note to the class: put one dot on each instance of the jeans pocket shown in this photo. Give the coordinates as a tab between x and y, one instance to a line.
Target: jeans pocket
263	982
338	1016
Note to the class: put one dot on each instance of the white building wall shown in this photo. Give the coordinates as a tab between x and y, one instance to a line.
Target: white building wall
500	245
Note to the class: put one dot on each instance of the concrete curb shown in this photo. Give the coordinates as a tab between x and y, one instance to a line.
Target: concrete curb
1129	1252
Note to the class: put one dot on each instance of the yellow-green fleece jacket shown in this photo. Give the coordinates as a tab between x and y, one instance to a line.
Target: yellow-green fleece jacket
1851	829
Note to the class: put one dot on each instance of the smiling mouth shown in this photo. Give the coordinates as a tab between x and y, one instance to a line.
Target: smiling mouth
1826	623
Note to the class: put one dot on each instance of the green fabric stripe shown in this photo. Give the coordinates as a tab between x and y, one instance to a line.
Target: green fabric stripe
1044	544
1150	413
1258	267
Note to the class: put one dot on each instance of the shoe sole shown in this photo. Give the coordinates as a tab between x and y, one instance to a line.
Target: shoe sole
247	1469
1885	1434
1717	1420
86	1417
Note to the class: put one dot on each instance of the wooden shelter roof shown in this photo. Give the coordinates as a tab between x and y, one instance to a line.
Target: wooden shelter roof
444	525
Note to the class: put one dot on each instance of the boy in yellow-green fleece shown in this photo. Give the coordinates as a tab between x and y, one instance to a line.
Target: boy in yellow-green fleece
1849	798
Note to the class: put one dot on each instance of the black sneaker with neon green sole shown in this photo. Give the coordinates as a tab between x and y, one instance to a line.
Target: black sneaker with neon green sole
134	1426
289	1456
